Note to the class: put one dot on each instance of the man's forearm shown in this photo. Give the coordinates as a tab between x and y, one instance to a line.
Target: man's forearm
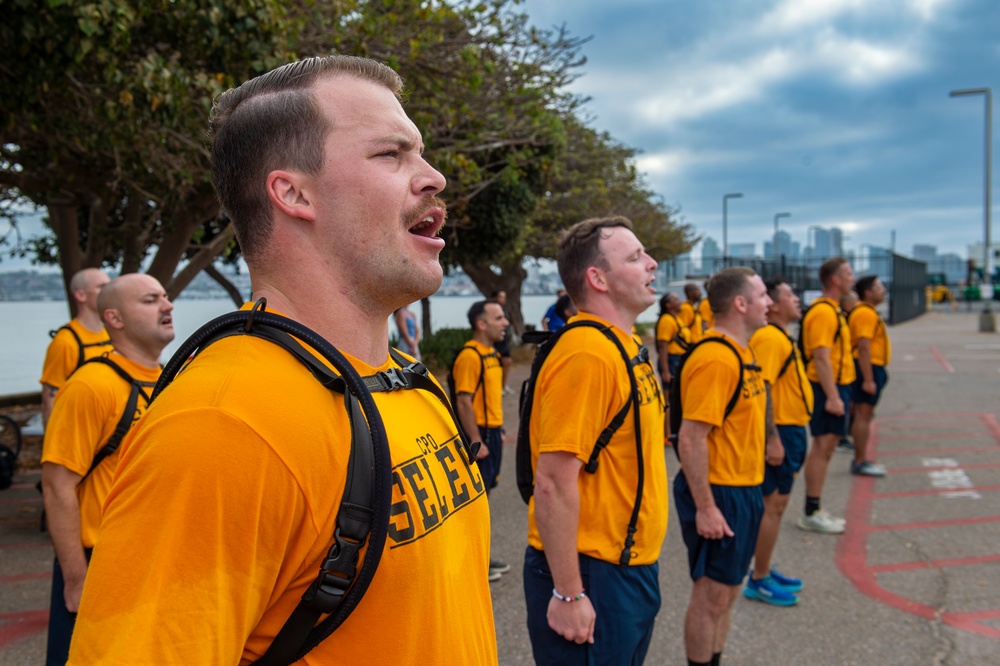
48	399
557	515
694	457
865	360
824	370
467	416
62	511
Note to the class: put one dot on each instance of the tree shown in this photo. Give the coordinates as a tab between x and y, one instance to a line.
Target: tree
589	174
103	119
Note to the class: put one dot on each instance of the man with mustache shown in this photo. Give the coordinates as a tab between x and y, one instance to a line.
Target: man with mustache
96	401
226	496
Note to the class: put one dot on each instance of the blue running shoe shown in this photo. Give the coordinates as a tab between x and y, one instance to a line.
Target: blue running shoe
768	591
787	582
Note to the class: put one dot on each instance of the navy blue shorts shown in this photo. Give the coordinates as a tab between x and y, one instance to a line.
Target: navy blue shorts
626	600
489	466
822	422
781	478
674	362
61	621
881	379
723	560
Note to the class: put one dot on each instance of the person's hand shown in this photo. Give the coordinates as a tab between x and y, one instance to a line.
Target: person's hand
834	405
774	452
711	524
72	591
483	451
869	387
574	621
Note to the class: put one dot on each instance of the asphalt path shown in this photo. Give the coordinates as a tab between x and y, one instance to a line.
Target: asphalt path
914	580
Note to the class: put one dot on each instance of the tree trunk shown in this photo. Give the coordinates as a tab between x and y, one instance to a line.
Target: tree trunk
224	282
202	259
62	220
509	280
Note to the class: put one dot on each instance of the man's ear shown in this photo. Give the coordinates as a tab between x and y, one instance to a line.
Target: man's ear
289	192
113	319
597	279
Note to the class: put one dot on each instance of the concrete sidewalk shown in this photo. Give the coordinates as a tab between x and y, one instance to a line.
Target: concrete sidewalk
914	580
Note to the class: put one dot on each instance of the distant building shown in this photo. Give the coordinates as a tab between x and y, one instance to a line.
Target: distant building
925	253
710	254
743	250
787	248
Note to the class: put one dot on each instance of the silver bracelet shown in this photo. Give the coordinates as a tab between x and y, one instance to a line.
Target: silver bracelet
582	595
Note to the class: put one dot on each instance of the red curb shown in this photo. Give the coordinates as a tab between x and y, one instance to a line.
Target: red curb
21	625
851	554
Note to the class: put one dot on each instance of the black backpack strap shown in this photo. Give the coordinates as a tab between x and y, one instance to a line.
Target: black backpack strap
80	345
676	416
791	355
363	515
125	421
481	382
525	473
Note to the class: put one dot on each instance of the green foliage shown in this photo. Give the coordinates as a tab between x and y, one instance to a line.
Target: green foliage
438	348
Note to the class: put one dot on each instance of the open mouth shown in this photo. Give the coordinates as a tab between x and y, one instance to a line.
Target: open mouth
431	224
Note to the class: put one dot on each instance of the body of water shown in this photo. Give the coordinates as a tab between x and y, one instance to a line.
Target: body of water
25	326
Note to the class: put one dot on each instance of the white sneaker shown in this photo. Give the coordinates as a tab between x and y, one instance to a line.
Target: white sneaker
822	523
507	390
833	519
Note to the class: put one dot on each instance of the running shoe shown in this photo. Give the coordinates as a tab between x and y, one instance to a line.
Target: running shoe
496	566
822	523
845	445
769	591
868	468
493	576
790	584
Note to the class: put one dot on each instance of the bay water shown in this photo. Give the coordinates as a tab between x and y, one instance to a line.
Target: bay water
25	326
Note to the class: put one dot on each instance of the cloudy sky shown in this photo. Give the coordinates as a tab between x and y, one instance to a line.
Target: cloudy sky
836	111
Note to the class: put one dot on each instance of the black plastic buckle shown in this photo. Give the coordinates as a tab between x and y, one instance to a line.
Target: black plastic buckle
393	379
472	450
643	355
591	466
335	577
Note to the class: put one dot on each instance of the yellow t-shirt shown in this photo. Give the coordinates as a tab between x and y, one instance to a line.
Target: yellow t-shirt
223	509
820	325
691	320
866	323
706	314
736	444
487	397
63	354
669	329
83	420
791	393
580	387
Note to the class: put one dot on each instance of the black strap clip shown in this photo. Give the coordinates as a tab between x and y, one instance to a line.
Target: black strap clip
393	379
336	575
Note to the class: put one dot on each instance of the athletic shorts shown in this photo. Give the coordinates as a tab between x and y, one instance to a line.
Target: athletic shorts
881	379
824	423
674	362
725	560
626	600
781	477
489	466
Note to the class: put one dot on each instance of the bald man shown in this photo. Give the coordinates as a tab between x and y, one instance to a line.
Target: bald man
82	338
95	408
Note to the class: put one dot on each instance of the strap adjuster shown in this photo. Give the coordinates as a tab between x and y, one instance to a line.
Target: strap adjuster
392	379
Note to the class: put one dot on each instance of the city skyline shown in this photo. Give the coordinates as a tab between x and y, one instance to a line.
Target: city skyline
837	112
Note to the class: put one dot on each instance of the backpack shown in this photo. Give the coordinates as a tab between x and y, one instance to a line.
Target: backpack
677	407
80	344
677	339
121	428
363	515
125	421
802	333
525	473
453	395
788	363
8	456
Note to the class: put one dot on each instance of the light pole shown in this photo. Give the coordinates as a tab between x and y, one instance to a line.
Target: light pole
987	322
778	216
725	229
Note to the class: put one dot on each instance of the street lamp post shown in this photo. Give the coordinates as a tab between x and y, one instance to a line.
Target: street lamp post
987	322
725	229
778	216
